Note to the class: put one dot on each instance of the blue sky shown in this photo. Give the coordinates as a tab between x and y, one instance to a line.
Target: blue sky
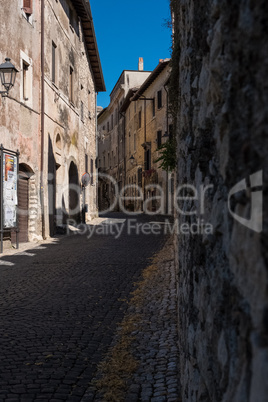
127	30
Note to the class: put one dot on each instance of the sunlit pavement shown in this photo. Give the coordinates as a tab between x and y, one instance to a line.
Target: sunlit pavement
60	304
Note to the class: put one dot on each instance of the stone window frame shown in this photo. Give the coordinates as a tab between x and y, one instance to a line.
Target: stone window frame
27	12
26	87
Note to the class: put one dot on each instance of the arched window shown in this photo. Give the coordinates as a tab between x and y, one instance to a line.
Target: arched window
58	141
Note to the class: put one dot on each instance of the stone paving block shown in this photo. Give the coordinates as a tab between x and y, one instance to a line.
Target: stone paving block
64	304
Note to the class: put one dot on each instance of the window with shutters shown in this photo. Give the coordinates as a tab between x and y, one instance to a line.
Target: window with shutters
159	138
27	7
159	99
147	159
153	107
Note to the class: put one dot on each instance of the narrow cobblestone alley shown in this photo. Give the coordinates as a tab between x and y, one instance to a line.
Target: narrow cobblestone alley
60	306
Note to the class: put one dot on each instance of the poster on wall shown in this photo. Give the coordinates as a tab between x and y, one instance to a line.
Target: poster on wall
10	190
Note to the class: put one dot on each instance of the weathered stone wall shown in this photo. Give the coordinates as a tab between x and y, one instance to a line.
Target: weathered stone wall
70	130
219	77
20	114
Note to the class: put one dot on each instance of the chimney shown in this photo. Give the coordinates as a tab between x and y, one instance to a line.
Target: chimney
140	63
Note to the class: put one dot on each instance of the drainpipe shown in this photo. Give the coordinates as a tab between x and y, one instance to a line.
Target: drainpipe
42	115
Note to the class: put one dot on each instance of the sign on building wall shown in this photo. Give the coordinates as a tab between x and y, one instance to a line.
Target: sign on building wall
10	198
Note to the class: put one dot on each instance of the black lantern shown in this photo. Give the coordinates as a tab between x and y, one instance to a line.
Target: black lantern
8	75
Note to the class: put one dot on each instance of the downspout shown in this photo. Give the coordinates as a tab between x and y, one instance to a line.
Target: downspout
42	199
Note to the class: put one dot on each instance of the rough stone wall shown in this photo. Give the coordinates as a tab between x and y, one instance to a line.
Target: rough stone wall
220	81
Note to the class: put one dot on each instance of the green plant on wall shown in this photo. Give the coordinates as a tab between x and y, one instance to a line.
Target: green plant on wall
167	155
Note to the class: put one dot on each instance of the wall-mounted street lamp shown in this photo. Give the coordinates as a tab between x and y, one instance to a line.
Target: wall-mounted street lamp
132	160
8	75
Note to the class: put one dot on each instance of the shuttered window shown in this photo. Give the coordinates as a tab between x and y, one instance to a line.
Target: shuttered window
27	6
159	99
159	138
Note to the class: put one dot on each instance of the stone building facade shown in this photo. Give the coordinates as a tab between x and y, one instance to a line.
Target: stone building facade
219	84
111	140
148	125
50	114
129	145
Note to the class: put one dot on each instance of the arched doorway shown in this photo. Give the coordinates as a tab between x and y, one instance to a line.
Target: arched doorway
74	192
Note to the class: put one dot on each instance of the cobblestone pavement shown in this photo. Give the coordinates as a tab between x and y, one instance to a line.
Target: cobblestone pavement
60	304
150	340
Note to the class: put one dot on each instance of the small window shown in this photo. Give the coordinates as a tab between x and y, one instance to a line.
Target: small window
170	131
112	122
71	85
159	138
134	142
140	119
159	99
58	141
86	163
53	68
108	126
82	111
147	159
116	117
153	105
27	7
25	81
71	17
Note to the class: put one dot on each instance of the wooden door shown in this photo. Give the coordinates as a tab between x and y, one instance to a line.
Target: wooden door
23	207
